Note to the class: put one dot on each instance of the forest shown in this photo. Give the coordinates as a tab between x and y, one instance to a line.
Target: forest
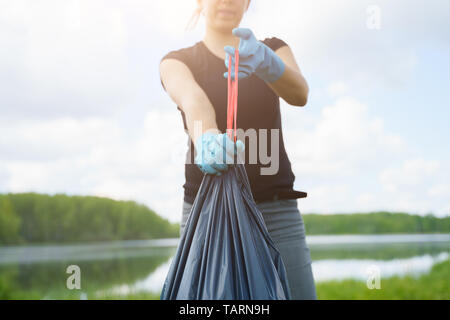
60	218
40	218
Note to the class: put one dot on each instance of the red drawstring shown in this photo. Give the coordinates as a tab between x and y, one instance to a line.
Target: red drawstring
232	97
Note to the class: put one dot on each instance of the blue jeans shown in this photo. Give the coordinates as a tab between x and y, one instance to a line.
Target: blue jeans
285	225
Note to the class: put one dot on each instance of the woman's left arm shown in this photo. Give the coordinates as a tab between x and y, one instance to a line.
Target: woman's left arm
291	86
278	69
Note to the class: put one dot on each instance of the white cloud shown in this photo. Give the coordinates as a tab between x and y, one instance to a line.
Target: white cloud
85	58
325	198
337	88
95	156
55	137
439	190
347	161
405	187
343	138
412	173
331	39
55	69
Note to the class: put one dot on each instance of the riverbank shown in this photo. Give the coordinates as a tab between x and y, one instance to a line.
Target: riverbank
431	286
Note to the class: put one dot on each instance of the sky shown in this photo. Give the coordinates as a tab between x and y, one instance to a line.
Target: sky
83	110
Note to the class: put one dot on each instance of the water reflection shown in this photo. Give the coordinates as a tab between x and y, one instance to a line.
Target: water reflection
152	283
331	269
85	251
122	267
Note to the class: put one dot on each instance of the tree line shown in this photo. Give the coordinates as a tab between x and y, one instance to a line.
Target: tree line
40	218
60	218
379	222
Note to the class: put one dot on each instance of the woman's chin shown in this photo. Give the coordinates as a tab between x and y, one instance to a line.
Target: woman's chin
225	25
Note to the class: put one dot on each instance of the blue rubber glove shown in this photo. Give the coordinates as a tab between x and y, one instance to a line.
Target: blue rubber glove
254	57
215	152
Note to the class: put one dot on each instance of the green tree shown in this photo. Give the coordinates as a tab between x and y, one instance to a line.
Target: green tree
9	222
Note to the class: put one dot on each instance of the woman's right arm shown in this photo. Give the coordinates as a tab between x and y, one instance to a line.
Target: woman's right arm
189	96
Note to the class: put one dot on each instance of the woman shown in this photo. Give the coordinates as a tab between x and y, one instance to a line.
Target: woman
196	79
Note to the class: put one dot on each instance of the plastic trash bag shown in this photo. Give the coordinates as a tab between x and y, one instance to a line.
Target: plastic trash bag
225	251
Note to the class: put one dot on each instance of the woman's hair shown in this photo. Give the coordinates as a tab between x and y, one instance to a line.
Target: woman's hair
196	15
194	19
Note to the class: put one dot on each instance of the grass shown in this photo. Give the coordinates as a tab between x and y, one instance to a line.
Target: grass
431	286
101	295
137	295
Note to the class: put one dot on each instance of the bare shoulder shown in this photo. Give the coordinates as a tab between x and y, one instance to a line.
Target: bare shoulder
174	67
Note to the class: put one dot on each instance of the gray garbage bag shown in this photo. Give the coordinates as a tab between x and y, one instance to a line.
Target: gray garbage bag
225	251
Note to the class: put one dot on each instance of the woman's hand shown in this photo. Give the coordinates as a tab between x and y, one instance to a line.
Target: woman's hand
254	57
215	152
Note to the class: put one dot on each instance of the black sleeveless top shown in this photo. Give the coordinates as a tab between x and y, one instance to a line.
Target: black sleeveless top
258	108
